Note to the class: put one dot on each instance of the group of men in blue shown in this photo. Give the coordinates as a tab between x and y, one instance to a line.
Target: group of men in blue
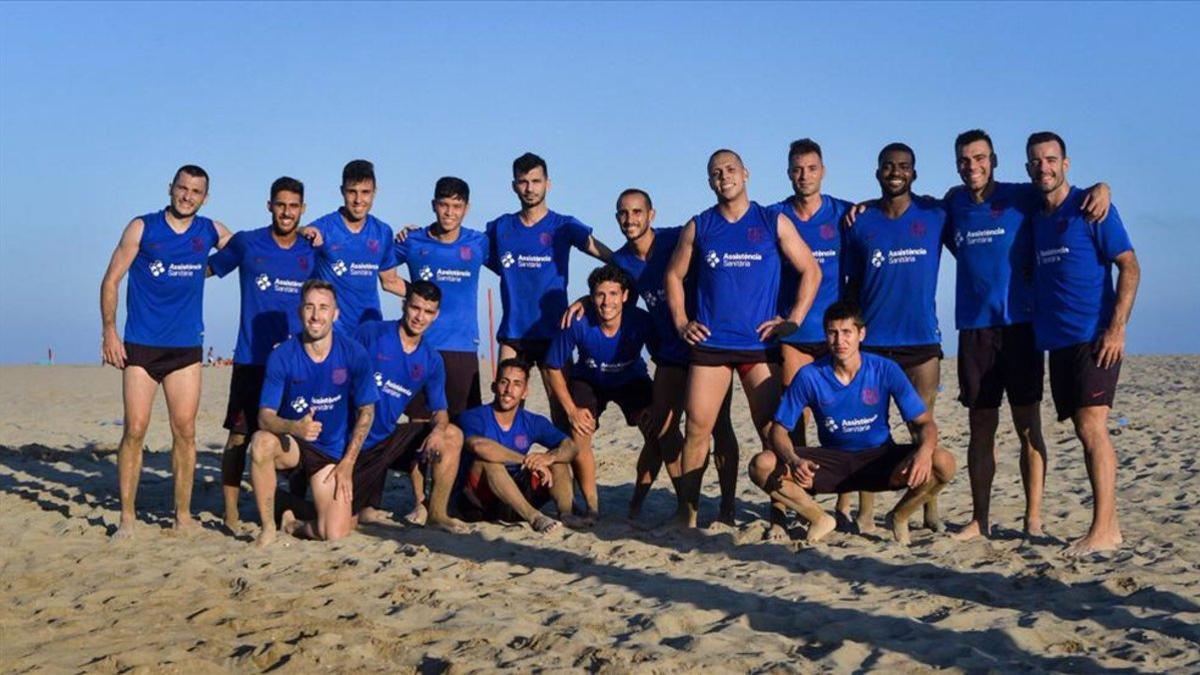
823	308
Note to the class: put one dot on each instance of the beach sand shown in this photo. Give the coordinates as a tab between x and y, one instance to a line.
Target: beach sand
614	599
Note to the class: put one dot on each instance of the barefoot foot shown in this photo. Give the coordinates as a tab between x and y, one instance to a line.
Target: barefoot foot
970	531
265	538
418	516
818	529
448	524
865	523
1094	543
775	533
125	529
370	515
899	527
185	524
543	524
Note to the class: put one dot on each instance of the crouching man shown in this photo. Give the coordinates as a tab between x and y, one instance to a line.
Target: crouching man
848	392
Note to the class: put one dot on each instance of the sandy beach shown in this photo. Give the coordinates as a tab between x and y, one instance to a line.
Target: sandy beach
613	599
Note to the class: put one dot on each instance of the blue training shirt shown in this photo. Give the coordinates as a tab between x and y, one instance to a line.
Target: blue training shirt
532	263
399	375
824	234
454	268
737	276
1073	279
667	347
270	278
993	243
850	417
895	263
333	388
164	301
527	430
352	263
604	362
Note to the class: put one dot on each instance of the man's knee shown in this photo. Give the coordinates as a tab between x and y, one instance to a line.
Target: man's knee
1091	426
944	465
984	420
761	467
183	427
263	447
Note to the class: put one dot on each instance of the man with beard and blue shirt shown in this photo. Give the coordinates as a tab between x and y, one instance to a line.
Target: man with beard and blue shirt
608	340
1080	319
404	364
165	254
272	263
317	407
848	392
989	234
737	247
354	248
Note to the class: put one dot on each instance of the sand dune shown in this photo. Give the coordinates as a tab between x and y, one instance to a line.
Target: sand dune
613	599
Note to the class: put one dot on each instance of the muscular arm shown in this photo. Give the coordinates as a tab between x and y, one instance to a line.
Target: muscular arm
927	432
269	420
1111	348
677	270
598	250
392	283
797	252
362	426
111	348
491	451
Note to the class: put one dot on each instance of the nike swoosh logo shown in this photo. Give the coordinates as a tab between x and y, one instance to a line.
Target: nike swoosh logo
1097	394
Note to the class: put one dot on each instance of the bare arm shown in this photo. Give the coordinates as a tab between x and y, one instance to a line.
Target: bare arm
598	250
1095	204
919	465
112	349
392	283
691	331
223	234
491	451
306	427
801	470
797	252
581	419
1111	347
362	426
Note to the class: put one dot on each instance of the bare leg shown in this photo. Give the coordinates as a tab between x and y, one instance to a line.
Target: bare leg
233	466
705	389
419	514
505	488
1028	422
584	466
269	453
1101	459
661	425
925	378
444	468
137	388
182	391
943	471
981	468
768	475
726	455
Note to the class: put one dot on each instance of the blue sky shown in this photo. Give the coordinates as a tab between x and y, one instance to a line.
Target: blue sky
99	103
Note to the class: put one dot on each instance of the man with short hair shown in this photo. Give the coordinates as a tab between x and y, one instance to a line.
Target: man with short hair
1081	320
738	247
354	248
317	407
405	364
848	392
505	478
165	254
272	263
609	340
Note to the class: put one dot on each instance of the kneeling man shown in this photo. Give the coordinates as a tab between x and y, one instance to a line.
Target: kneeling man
317	405
848	392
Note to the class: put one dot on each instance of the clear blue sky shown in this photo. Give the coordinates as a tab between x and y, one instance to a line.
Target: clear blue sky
99	103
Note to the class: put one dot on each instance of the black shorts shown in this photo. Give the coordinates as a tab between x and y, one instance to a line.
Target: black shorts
816	350
312	460
707	356
462	387
992	361
245	389
398	451
908	357
634	398
477	501
530	351
873	470
160	362
1077	382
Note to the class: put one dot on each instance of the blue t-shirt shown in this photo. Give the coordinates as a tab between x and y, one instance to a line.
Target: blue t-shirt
850	417
352	263
823	234
1073	279
333	388
270	278
527	429
399	375
737	276
165	299
648	275
993	243
604	362
454	267
532	263
895	263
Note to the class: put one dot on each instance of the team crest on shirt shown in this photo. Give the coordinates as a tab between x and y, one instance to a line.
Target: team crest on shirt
998	208
877	258
416	371
263	282
521	441
198	244
465	253
1062	224
339	267
299	404
870	395
917	228
831	425
340	376
302	263
425	273
545	239
828	231
373	245
755	234
157	268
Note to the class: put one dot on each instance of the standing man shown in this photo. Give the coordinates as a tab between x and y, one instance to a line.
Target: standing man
609	368
354	249
317	407
165	253
738	245
1081	320
272	263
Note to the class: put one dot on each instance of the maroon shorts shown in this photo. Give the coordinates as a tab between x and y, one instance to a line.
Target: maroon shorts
871	470
530	351
400	451
477	495
160	362
245	389
908	357
633	398
1077	382
993	361
462	387
816	350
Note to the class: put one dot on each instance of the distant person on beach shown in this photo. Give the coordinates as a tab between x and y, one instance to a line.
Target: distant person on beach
506	479
317	407
1080	319
404	365
597	360
272	263
848	392
165	254
735	249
